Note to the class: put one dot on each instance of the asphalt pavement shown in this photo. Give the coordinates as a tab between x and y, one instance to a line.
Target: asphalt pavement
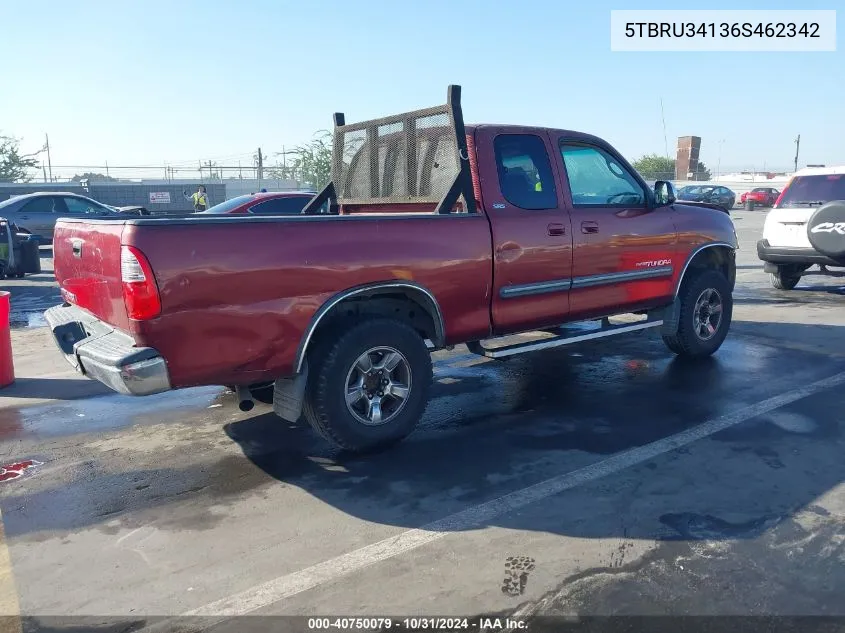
603	479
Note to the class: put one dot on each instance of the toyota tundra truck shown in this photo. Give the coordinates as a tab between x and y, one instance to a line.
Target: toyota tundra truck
437	234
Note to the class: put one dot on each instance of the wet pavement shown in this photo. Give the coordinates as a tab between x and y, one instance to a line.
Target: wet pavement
603	479
32	295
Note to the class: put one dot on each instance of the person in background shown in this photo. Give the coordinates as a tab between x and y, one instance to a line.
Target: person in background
199	199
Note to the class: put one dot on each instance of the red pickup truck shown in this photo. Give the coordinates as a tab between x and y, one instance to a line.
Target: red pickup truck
432	233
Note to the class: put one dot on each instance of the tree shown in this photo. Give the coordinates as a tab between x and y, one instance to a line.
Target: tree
312	162
14	167
655	167
702	173
93	177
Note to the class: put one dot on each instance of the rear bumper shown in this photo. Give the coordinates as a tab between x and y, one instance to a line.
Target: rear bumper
792	255
98	351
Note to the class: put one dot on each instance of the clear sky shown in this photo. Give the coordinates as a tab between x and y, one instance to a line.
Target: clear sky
138	83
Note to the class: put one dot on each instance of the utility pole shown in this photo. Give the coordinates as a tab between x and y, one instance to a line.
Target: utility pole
240	173
797	145
44	169
719	162
665	139
200	164
260	168
49	162
107	169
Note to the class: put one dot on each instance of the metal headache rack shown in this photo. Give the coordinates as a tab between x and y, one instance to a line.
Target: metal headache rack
417	157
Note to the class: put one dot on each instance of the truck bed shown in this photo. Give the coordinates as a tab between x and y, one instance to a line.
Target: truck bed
232	287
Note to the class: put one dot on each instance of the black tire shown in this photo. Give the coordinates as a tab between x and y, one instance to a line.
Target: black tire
786	278
687	341
325	406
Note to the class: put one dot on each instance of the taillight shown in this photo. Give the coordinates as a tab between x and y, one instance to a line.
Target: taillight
780	197
140	292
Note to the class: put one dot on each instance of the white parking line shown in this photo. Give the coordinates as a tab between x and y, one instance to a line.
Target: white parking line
272	591
10	621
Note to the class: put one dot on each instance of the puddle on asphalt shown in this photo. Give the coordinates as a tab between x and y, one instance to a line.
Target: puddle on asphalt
102	413
20	320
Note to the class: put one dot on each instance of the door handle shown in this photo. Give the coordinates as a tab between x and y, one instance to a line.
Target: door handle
556	229
589	227
23	217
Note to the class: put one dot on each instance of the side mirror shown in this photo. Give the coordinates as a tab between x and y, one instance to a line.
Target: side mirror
664	193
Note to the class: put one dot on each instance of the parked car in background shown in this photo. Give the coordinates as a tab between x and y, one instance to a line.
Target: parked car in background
712	194
36	213
132	209
266	203
805	227
764	196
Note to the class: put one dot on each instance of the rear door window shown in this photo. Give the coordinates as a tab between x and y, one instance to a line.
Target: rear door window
41	204
806	191
525	172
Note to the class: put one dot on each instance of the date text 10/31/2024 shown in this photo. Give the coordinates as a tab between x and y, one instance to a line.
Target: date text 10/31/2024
416	624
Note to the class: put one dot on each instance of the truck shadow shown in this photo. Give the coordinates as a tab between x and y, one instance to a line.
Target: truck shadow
495	428
543	416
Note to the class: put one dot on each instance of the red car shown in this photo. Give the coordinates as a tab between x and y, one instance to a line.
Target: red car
272	203
439	233
764	196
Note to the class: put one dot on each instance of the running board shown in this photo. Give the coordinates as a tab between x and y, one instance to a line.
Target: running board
558	341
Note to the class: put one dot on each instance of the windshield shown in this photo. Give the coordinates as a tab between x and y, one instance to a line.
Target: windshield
816	190
226	207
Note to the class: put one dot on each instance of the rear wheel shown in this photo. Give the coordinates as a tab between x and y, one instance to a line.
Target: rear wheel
786	277
705	315
368	386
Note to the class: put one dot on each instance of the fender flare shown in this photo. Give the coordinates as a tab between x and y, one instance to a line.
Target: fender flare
692	256
430	302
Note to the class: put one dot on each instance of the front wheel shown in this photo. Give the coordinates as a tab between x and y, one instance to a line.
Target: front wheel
368	386
705	315
786	278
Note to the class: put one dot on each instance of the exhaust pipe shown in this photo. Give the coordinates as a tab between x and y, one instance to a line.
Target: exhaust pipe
245	401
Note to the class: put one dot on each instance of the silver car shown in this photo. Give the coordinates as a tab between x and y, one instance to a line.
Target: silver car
36	213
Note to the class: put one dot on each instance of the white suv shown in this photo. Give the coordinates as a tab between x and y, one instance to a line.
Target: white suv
805	227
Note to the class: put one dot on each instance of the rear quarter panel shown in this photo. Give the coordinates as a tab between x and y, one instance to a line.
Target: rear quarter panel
237	295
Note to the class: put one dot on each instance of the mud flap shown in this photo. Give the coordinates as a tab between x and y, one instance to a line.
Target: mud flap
288	394
671	318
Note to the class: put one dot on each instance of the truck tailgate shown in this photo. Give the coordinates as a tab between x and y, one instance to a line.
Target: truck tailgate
86	258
